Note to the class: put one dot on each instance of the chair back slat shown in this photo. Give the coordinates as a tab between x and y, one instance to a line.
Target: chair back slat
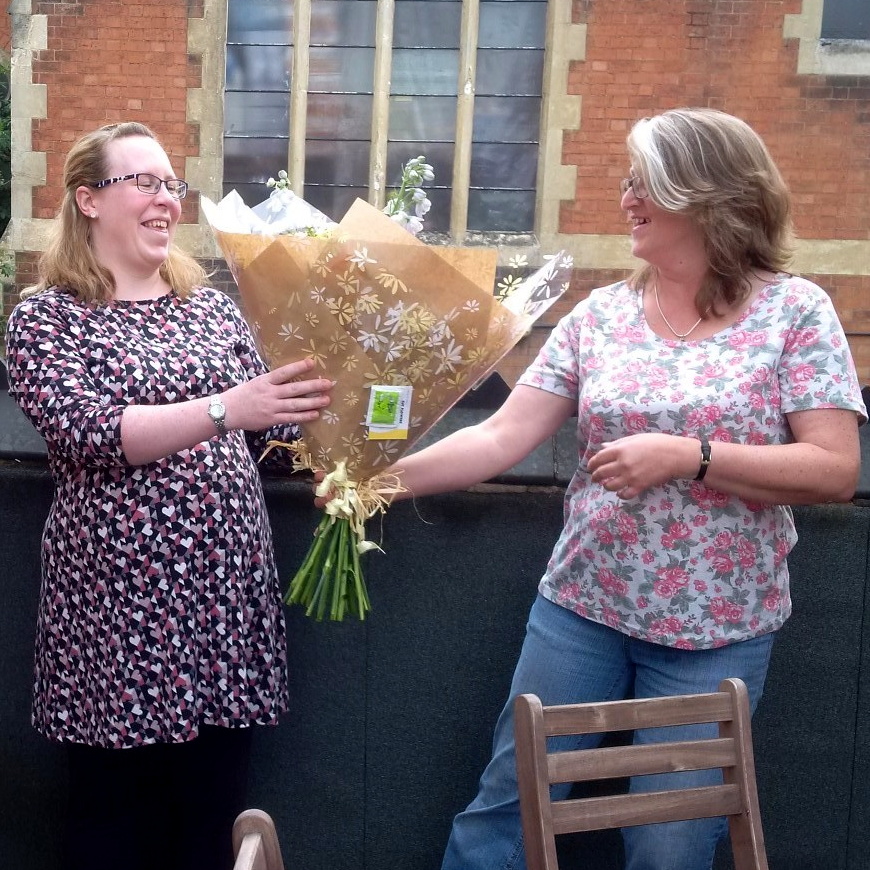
250	855
623	810
611	762
640	713
255	842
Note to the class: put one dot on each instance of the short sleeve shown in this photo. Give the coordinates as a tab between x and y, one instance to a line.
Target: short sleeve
817	369
556	368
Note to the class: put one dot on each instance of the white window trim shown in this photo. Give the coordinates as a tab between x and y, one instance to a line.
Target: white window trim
817	56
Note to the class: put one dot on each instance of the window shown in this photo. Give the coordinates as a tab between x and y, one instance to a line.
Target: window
372	83
846	19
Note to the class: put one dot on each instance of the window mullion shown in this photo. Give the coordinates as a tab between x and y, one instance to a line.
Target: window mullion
464	118
299	95
381	102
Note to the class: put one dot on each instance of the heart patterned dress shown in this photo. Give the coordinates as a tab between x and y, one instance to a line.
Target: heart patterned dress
160	608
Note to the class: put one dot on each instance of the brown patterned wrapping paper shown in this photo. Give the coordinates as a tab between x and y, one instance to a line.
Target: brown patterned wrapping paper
373	305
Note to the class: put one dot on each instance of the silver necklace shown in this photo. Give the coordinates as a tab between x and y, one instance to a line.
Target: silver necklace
682	336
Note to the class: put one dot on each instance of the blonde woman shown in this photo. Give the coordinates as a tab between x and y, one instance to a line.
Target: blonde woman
160	637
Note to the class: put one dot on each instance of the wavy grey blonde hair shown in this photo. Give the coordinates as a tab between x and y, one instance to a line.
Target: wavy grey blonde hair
716	169
68	261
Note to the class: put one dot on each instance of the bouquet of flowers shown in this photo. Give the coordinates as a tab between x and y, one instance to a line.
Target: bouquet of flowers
405	328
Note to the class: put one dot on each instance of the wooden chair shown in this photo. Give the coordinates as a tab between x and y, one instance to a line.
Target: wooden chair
537	769
255	842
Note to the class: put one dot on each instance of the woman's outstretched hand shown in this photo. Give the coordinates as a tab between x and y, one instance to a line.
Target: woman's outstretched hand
278	397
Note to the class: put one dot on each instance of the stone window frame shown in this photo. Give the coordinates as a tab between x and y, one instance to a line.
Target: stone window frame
827	57
565	42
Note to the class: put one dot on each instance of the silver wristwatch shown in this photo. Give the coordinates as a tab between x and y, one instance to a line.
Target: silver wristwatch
218	413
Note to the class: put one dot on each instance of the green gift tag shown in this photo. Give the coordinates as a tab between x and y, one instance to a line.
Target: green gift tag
389	412
385	407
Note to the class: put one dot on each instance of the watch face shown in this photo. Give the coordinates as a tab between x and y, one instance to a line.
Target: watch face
217	411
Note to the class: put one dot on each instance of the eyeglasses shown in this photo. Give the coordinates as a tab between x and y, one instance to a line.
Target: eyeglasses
637	185
148	183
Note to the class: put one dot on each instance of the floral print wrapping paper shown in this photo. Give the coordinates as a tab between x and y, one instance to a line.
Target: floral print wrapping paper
373	305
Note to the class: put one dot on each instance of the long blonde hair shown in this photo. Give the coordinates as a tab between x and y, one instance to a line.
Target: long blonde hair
716	169
68	261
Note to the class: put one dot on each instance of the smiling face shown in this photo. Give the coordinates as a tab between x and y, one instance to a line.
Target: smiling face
662	238
131	231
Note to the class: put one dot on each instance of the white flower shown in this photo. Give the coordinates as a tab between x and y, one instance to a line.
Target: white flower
448	356
395	350
414	225
410	196
372	340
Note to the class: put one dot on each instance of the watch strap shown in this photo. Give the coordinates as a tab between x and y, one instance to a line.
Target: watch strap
706	453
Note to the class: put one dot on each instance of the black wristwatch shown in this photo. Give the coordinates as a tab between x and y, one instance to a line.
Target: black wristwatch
218	413
705	458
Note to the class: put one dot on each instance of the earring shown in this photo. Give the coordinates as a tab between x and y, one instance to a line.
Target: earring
93	214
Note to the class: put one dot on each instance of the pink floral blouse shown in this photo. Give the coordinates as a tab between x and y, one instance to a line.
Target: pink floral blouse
682	564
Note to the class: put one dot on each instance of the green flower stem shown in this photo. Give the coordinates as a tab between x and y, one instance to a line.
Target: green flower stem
300	586
363	604
331	579
339	586
319	598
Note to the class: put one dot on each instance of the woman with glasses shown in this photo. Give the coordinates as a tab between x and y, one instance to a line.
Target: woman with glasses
160	637
712	389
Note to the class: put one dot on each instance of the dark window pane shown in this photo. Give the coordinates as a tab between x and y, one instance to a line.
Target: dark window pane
510	166
520	25
248	163
259	67
431	72
507	119
348	70
257	114
422	118
518	72
846	19
333	201
438	219
259	21
502	211
343	22
337	163
423	24
339	116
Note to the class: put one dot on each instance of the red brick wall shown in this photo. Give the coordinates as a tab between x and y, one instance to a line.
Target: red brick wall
5	36
642	58
110	61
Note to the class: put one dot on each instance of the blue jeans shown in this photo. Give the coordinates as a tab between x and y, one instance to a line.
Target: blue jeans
569	659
